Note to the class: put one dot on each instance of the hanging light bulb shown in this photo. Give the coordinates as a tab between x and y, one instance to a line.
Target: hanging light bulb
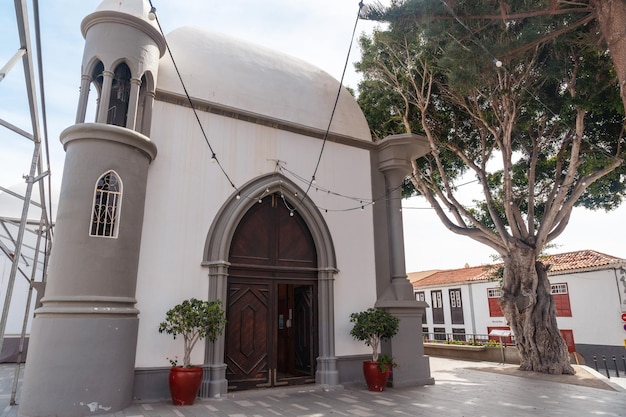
152	13
313	180
213	158
291	213
260	201
238	197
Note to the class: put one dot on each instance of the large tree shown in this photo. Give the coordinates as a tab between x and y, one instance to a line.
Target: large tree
606	16
535	119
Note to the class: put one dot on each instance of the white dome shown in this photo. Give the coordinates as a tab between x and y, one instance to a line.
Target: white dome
220	69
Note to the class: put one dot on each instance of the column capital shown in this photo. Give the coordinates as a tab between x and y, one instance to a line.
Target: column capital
396	152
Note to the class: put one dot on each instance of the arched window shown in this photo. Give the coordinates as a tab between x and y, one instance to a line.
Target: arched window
107	201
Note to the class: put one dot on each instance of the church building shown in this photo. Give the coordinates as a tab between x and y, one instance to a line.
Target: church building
202	166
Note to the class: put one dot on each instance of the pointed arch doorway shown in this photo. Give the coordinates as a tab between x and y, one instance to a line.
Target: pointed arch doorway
272	332
223	270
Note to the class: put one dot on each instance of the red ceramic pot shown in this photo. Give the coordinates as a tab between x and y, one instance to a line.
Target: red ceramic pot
375	378
184	384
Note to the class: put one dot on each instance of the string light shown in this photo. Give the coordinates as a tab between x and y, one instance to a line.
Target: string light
152	16
191	105
332	114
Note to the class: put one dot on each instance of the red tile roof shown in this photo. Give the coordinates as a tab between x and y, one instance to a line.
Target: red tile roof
580	261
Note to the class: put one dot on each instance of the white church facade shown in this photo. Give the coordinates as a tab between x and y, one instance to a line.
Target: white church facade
216	176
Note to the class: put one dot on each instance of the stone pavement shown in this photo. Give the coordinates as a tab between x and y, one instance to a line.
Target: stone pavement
462	389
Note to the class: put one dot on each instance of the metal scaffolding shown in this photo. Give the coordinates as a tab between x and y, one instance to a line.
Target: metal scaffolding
26	238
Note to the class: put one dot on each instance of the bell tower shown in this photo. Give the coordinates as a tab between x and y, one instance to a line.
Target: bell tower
81	357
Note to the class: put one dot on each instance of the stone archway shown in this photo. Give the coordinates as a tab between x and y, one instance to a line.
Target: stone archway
216	255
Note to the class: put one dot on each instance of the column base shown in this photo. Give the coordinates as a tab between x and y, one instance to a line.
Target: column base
327	373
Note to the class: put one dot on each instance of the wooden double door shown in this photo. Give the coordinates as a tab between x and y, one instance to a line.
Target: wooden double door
271	333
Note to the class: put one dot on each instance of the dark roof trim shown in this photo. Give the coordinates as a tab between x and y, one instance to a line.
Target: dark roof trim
259	119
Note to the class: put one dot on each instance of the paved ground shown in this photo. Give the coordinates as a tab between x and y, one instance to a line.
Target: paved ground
462	389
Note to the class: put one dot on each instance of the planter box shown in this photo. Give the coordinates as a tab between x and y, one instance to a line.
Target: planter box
473	353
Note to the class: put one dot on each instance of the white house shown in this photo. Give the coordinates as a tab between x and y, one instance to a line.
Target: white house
213	175
589	289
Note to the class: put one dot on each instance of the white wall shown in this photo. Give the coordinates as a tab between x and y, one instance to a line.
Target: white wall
596	311
185	191
594	301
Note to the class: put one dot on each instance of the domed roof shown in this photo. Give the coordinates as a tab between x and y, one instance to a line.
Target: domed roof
239	75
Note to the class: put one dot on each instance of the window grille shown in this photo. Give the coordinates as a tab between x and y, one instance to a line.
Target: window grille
106	206
494	292
455	299
558	288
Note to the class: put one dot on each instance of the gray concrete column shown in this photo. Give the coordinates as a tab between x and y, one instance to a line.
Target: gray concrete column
214	382
326	372
395	154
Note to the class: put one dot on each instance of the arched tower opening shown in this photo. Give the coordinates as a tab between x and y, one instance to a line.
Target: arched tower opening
119	94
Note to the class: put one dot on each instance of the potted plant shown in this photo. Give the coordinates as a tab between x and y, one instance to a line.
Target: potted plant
372	326
192	319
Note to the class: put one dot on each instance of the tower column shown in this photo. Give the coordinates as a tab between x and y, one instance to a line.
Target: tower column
105	96
146	117
83	98
133	100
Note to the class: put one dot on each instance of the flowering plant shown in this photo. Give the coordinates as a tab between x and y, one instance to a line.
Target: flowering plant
386	364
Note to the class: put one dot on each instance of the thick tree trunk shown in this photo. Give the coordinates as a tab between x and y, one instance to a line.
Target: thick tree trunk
529	309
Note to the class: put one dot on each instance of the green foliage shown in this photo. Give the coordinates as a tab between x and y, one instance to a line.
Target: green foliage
493	84
386	363
194	319
372	326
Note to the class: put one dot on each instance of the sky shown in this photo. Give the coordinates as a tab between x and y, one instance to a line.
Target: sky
317	31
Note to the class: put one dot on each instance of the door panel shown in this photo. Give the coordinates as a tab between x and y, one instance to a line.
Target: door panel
248	334
303	329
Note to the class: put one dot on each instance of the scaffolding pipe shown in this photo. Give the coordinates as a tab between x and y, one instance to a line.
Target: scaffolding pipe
22	25
18	245
29	298
5	70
